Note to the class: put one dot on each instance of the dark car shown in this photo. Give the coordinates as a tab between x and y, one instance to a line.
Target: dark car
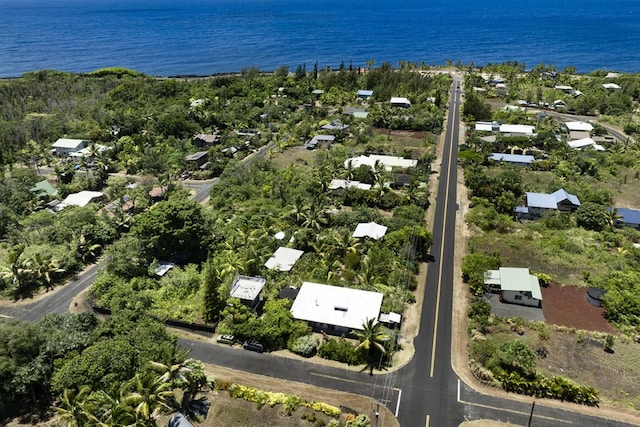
226	339
253	345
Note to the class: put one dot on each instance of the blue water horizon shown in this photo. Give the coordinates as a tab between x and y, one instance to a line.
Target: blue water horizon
204	37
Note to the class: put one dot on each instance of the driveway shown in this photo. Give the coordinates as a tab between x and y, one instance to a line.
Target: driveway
503	309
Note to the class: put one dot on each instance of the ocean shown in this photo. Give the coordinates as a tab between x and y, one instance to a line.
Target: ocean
203	37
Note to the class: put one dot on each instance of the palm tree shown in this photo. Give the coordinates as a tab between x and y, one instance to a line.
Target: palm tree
372	339
314	217
174	367
296	209
149	397
73	407
349	170
87	251
43	269
612	217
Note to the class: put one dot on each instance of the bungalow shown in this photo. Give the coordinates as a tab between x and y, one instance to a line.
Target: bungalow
400	102
320	140
196	160
205	140
612	86
355	112
389	162
248	289
538	203
335	125
512	129
66	146
579	144
564	88
43	189
283	259
579	130
364	94
340	184
370	229
515	285
514	159
83	198
628	217
335	309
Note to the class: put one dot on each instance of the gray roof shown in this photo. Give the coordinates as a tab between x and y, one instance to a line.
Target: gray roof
363	92
550	201
512	158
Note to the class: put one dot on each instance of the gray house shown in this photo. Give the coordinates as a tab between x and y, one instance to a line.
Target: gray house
538	203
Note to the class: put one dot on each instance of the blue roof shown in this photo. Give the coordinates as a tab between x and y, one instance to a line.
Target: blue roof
512	158
363	92
629	216
541	200
561	195
550	201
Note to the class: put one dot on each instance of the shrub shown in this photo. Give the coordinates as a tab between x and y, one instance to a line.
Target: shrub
305	346
340	350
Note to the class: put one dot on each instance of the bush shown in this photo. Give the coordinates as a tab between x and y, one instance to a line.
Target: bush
340	350
305	346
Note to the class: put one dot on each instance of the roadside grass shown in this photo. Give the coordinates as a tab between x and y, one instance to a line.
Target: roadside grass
579	356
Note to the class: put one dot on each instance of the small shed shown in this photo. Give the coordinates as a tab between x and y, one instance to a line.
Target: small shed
247	289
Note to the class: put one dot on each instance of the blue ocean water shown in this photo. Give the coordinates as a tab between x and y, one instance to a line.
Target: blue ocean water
201	37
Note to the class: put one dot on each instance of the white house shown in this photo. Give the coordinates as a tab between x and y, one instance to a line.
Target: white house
516	285
337	184
283	259
389	162
579	144
83	198
513	129
247	289
579	126
66	146
514	159
370	229
400	102
334	309
612	86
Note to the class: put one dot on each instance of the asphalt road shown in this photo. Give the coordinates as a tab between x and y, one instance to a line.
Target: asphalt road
426	392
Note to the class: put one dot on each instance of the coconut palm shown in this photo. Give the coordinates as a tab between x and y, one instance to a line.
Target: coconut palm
372	338
296	209
314	216
43	269
612	217
149	397
86	250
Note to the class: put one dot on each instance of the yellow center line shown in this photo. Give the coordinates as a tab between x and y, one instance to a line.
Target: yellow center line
444	227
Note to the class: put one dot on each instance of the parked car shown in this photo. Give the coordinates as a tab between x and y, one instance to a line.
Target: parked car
253	345
226	339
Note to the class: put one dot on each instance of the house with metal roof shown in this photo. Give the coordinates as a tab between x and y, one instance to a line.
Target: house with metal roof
511	129
538	203
628	217
364	94
580	144
579	126
397	101
247	289
66	146
389	162
370	229
83	198
283	259
516	285
334	309
513	159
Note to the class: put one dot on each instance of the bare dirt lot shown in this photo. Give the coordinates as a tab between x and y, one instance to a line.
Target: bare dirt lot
567	306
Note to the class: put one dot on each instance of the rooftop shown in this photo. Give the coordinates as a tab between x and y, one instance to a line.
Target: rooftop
247	287
283	259
334	305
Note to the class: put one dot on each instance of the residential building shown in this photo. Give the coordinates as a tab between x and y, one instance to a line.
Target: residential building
579	144
400	102
628	217
538	203
513	159
335	310
283	259
66	146
511	129
515	285
364	94
205	140
248	289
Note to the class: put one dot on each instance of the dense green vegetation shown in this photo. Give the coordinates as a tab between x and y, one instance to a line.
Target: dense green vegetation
587	247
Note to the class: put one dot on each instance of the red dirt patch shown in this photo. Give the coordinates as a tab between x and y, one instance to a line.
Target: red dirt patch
568	306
